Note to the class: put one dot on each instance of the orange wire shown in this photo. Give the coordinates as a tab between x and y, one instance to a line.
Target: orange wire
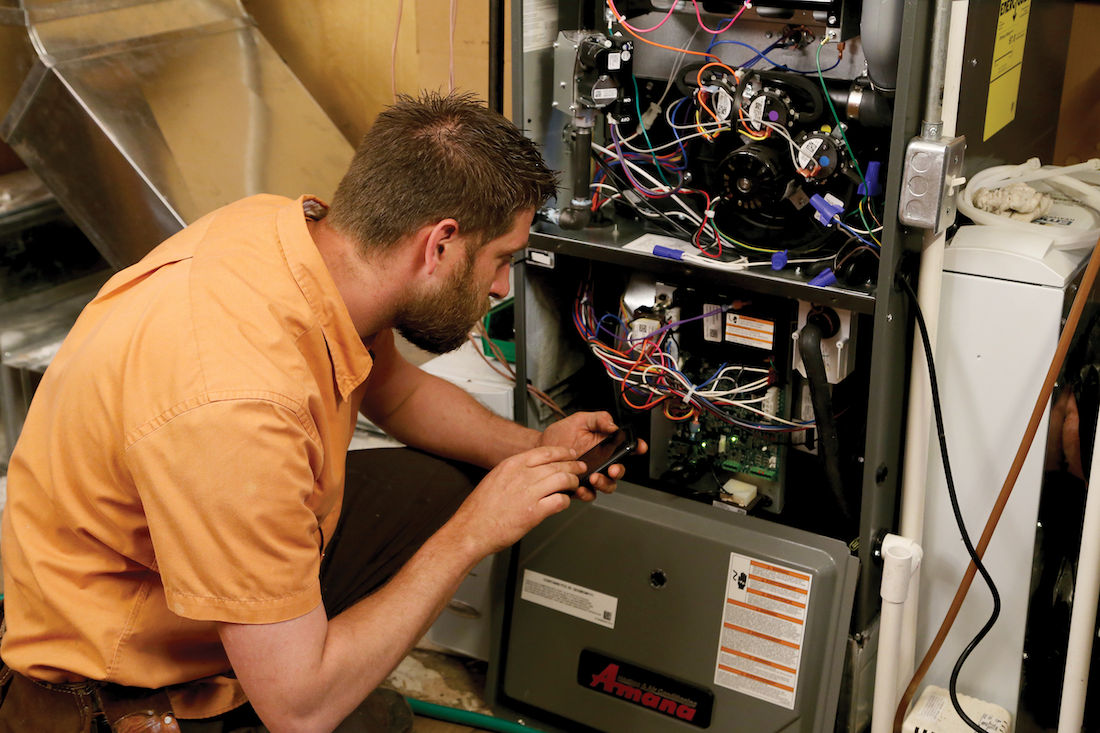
749	133
702	103
622	22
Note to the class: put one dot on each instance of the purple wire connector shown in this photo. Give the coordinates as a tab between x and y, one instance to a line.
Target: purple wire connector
824	279
779	260
871	186
827	210
667	252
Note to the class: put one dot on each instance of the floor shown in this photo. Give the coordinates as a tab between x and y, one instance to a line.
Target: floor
442	679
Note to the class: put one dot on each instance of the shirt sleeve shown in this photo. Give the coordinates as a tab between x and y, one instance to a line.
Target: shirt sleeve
227	492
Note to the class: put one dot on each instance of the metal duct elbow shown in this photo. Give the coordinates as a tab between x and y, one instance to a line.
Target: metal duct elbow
880	33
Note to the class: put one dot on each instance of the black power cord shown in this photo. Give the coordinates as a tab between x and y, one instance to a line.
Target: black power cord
904	283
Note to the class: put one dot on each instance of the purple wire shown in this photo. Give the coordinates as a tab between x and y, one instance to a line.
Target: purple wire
674	324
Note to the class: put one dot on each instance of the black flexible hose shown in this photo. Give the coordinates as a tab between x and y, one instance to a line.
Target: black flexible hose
828	440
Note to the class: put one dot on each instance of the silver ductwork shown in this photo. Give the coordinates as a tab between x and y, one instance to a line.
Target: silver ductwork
143	115
880	35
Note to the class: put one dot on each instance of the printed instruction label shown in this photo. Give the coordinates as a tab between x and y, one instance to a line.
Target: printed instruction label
574	600
755	332
760	645
712	324
540	24
807	153
1008	60
723	104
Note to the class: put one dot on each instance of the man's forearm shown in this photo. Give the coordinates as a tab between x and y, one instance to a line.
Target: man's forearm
353	652
441	418
307	673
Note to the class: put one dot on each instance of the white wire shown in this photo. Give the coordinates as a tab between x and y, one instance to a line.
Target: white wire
691	126
659	186
451	67
674	143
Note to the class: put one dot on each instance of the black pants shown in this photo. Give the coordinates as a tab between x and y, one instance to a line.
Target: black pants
394	500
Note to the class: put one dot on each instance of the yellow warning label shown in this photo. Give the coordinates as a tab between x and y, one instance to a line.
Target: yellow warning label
1008	58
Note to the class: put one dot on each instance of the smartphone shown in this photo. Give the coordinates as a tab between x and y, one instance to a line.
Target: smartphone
607	452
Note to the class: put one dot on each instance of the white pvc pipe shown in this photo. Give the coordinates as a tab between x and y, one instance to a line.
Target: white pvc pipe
1082	623
918	435
918	424
900	559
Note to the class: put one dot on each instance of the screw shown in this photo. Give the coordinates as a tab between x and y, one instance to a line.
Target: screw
881	473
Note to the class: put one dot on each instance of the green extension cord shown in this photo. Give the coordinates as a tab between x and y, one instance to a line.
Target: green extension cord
465	717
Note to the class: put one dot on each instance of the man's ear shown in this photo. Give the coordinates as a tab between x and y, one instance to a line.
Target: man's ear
439	243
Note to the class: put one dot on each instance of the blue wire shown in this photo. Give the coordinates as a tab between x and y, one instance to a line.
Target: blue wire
855	234
764	55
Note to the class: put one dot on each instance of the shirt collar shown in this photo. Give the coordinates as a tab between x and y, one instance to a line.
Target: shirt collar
351	360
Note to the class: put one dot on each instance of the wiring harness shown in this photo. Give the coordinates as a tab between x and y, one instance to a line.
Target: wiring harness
648	373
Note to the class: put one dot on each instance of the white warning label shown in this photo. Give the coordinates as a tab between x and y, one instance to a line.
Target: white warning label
712	323
760	645
574	600
746	331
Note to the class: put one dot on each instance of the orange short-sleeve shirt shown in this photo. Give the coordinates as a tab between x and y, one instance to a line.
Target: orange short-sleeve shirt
183	459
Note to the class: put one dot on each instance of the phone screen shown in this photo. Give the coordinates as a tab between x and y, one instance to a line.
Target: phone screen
608	451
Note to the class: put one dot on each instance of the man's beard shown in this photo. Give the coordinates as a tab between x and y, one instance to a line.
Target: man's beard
439	322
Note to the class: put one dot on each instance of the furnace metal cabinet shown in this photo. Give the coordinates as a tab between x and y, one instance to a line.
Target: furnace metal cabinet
616	616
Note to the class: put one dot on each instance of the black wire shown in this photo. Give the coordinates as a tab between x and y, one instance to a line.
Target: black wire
624	198
958	514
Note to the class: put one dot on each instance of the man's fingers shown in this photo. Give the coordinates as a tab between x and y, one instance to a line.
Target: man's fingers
603	423
554	503
546	454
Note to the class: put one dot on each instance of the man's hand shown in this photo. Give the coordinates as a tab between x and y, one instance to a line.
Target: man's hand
581	431
516	496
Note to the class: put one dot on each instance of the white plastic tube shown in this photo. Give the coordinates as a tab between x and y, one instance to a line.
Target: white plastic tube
900	558
918	435
1059	177
1083	620
917	429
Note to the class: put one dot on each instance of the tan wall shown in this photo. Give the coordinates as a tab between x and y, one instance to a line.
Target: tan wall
341	49
1079	118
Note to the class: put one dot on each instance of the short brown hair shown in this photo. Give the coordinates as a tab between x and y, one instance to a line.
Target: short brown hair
436	157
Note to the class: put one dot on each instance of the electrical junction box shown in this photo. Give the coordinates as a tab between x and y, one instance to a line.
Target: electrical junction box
650	612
